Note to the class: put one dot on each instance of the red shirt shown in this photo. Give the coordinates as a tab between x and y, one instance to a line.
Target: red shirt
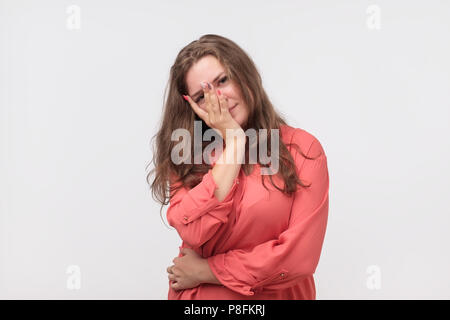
260	244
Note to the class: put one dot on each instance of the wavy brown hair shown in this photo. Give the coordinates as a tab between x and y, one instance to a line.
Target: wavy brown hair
169	177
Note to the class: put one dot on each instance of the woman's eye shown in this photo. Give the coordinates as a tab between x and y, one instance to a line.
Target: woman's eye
223	79
220	81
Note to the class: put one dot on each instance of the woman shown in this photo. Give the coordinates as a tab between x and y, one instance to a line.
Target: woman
246	235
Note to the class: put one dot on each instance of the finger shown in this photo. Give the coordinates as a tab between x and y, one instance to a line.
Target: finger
175	285
185	251
199	111
205	87
176	272
172	277
223	102
213	99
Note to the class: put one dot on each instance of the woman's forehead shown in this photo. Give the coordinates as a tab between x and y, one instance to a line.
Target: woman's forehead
206	69
205	66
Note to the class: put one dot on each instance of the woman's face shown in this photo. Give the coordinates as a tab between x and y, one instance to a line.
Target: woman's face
209	69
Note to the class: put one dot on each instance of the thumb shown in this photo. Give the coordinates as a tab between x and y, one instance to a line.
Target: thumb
185	251
188	251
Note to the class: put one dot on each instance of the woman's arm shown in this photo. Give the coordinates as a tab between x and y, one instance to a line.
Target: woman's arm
198	213
278	263
228	165
294	255
206	274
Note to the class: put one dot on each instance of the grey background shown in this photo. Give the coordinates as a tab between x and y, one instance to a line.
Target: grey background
78	109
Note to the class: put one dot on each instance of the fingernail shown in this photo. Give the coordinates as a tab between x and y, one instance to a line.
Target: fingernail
185	98
203	84
218	91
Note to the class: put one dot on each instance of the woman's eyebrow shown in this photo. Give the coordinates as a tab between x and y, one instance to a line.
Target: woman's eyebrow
200	91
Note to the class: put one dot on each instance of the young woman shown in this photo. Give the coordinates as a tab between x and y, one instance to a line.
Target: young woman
246	235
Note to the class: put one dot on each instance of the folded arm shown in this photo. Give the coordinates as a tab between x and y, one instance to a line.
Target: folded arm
283	262
198	213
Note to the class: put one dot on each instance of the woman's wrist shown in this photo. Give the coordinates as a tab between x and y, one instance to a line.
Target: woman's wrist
206	275
233	134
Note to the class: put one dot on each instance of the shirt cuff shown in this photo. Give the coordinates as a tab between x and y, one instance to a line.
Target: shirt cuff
217	266
204	193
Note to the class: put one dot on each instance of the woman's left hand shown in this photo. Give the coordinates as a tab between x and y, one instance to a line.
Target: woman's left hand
187	270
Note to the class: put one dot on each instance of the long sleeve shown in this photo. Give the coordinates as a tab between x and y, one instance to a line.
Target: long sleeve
281	263
197	214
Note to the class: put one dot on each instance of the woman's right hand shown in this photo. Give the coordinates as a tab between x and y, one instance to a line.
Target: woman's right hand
216	115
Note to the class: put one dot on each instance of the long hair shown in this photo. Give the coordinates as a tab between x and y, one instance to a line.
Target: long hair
169	177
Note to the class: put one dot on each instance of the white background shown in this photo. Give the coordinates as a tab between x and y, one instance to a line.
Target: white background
79	108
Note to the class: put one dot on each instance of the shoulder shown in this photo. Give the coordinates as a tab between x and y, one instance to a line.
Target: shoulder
308	143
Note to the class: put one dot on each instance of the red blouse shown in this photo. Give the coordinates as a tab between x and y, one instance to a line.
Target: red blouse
260	244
